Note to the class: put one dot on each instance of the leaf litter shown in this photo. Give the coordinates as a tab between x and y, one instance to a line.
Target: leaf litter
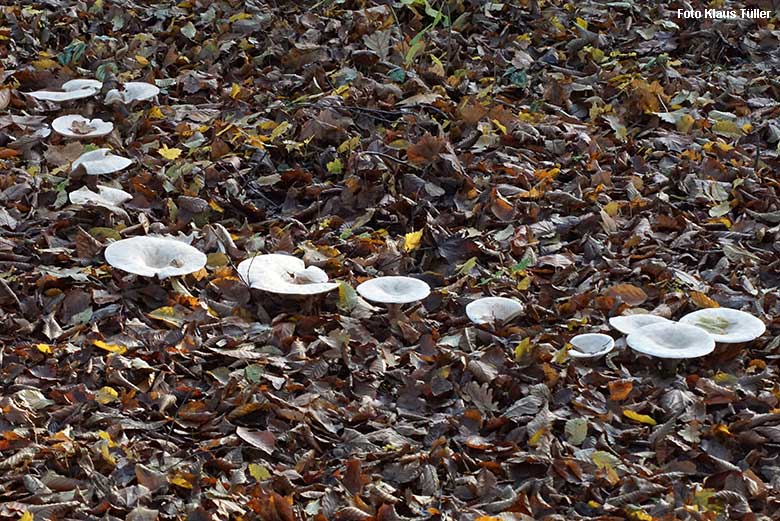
585	159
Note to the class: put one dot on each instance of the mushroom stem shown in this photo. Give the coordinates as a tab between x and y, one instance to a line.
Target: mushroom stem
669	365
394	313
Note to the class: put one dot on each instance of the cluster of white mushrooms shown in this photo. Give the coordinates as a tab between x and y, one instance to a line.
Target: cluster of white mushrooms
74	126
694	335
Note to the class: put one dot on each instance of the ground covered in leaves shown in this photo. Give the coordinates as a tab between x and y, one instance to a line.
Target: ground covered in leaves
585	158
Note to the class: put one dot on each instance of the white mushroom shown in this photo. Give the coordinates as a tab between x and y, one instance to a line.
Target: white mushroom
154	256
82	84
132	91
671	340
591	345
105	196
488	310
77	126
100	161
73	89
394	291
726	325
631	323
284	275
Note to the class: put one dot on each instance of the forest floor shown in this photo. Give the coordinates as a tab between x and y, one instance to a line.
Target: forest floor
588	159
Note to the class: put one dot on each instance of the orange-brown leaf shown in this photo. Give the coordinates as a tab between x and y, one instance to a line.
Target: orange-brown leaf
702	300
619	390
628	293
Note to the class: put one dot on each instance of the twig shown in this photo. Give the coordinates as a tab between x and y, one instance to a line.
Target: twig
8	290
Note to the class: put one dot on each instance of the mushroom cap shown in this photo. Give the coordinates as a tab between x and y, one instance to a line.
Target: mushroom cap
64	125
150	256
105	196
133	91
101	161
671	340
284	275
726	325
591	345
487	310
631	323
73	89
82	84
394	290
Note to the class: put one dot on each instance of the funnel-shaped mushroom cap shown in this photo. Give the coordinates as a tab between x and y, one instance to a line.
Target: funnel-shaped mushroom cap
82	84
284	275
394	290
73	89
487	310
105	196
100	161
631	323
154	256
591	345
726	325
132	91
671	340
77	126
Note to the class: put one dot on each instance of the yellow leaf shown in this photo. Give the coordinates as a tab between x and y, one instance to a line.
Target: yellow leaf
141	60
412	240
524	284
45	63
259	472
685	123
500	127
235	90
111	348
104	451
582	23
280	129
640	515
44	348
607	462
103	435
534	440
27	516
523	349
106	395
169	153
156	113
641	418
612	208
180	481
725	127
216	207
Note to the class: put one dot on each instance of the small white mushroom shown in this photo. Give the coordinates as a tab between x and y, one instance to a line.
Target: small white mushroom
132	91
73	89
394	291
77	126
488	310
105	196
100	161
671	340
726	325
154	256
284	275
591	345
631	323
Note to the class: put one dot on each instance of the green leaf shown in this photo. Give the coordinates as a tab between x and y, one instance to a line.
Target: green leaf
466	267
576	430
335	166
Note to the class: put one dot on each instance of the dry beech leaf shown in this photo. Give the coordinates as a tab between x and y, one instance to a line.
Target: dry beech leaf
628	293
